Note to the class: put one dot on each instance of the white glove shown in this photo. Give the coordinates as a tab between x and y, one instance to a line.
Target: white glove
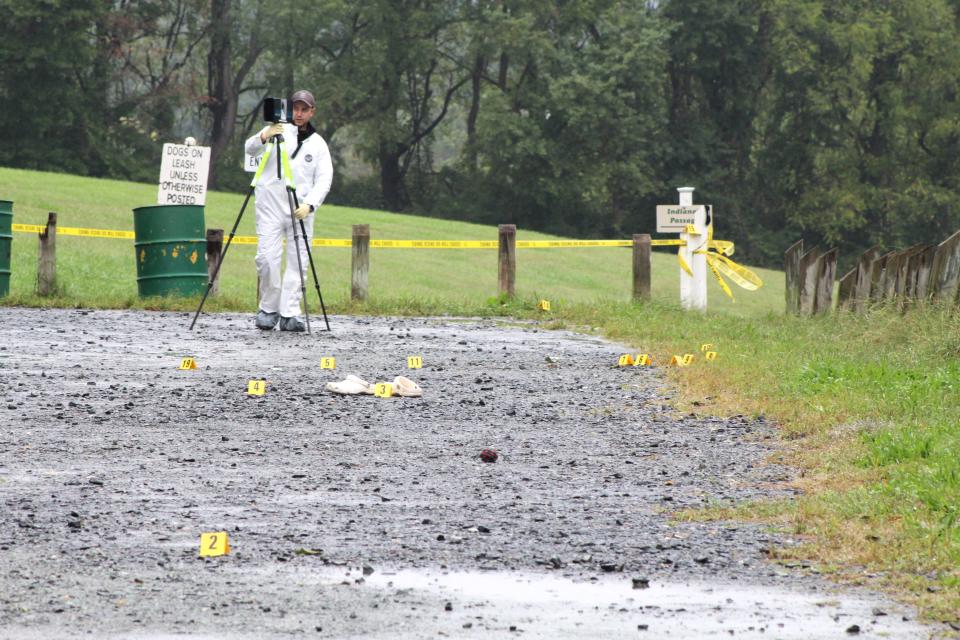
302	211
276	129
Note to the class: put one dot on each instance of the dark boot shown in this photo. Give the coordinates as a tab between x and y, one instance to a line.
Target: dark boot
291	324
267	321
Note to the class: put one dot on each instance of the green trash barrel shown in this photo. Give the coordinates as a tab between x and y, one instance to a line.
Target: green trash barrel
6	240
171	248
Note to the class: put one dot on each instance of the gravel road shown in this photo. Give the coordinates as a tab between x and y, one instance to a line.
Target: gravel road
365	517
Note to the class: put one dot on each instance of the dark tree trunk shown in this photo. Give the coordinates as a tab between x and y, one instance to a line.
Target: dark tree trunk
391	177
222	93
475	77
224	84
502	72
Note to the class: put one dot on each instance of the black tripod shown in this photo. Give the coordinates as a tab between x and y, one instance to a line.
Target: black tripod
276	145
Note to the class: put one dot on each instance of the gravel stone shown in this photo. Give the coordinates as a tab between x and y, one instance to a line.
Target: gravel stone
99	423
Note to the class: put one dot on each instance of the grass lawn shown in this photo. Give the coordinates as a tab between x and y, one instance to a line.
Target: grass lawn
102	273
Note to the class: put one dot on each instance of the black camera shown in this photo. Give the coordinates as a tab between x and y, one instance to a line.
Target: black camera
277	110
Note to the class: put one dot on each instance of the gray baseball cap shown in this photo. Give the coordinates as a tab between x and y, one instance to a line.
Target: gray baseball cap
303	96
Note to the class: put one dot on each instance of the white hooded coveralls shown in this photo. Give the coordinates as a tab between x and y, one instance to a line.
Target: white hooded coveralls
312	176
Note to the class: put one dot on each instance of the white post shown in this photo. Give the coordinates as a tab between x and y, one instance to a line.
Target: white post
693	290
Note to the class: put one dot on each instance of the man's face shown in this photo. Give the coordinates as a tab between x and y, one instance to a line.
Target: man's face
302	113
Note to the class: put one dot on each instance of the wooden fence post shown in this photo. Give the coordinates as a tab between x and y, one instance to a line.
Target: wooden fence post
360	262
920	272
791	268
214	249
507	259
641	266
848	286
902	290
945	272
861	288
826	272
47	258
890	272
809	263
878	274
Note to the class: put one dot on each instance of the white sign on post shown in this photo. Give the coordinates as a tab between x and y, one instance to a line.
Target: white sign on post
690	221
183	174
250	163
674	218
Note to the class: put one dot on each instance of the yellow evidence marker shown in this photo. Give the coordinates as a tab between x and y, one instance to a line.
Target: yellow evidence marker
414	362
328	363
256	387
706	346
188	363
214	543
626	360
643	360
543	305
711	355
383	390
677	361
687	359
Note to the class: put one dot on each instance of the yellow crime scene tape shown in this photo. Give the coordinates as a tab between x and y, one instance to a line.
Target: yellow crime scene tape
716	251
381	244
129	235
76	231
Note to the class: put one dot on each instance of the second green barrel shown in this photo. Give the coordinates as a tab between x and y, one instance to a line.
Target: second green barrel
6	239
171	248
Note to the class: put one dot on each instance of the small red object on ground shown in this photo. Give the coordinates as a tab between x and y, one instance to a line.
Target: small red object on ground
488	455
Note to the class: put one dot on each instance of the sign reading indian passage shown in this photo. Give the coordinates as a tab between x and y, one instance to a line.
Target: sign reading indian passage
674	218
183	174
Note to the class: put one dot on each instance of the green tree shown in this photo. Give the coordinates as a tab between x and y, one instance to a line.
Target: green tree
719	71
392	62
42	119
572	129
861	136
92	87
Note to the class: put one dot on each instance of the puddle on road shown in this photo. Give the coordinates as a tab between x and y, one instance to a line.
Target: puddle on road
557	607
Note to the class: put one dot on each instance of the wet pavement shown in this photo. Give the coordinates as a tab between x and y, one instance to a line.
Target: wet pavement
365	517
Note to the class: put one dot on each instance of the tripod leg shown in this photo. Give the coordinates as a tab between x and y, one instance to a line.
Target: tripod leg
316	282
223	255
233	231
296	248
313	268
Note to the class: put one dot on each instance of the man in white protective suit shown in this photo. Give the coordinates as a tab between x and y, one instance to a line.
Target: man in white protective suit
312	175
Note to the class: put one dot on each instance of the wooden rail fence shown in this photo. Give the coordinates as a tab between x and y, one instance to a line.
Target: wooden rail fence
920	272
506	262
360	262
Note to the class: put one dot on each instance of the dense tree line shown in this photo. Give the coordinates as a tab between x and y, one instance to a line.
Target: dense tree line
834	120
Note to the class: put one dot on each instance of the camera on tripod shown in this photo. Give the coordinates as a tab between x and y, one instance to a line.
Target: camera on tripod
277	110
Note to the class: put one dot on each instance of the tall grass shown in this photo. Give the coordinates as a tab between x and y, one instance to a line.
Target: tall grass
870	410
